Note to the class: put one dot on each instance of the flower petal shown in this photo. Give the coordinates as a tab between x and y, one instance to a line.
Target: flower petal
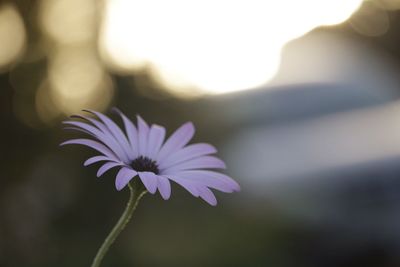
198	178
188	185
208	196
95	159
98	124
176	141
196	189
116	132
79	130
156	138
164	187
93	144
143	134
208	162
186	153
107	166
149	180
89	128
123	177
107	139
205	176
131	132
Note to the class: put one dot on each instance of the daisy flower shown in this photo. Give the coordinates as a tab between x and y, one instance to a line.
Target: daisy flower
141	152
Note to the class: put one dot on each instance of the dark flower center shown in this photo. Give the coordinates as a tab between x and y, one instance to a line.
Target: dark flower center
144	164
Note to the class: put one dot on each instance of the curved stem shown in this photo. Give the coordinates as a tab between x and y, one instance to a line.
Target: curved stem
136	193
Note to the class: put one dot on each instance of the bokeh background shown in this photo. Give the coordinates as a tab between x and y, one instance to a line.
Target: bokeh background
300	96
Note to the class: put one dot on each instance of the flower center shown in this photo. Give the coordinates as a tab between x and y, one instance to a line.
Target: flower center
144	164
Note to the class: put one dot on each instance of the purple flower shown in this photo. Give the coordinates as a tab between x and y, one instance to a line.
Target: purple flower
141	151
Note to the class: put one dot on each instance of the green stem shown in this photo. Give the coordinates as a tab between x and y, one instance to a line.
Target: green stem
136	192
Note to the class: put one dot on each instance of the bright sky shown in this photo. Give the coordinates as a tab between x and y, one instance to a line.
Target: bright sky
210	46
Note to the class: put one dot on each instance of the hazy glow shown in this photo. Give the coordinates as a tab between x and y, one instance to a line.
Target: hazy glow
44	105
77	81
390	4
214	46
68	21
371	20
12	35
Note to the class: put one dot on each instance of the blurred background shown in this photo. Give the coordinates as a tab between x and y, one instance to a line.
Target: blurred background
300	96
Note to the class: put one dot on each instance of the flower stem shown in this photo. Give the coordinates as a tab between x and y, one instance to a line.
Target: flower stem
136	192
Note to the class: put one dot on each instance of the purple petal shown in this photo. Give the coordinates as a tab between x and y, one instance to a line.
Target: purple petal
207	195
164	187
186	153
149	180
123	177
107	166
207	162
79	130
95	159
177	140
116	132
188	185
107	139
196	189
95	122
93	144
203	175
143	134
199	178
131	132
85	126
100	126
156	138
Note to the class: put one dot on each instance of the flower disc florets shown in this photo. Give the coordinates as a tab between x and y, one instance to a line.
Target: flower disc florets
144	164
